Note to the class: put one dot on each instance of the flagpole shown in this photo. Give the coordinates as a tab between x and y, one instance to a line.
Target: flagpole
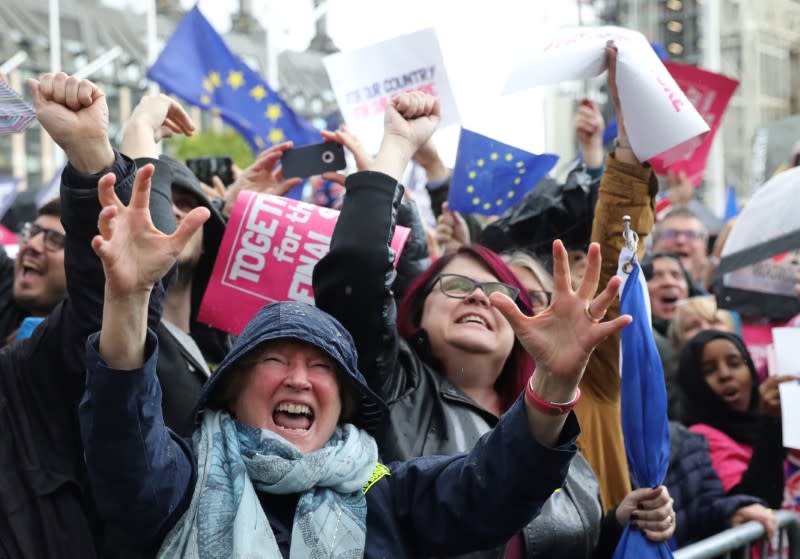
12	63
712	62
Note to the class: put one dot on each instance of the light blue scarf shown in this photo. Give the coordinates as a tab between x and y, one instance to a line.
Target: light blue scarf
225	518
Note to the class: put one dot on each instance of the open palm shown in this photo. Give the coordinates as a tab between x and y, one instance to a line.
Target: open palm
135	255
562	337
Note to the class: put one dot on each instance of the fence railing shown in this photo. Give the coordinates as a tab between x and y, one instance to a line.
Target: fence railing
737	542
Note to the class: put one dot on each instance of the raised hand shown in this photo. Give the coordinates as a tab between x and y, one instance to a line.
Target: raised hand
135	255
264	175
589	126
409	121
770	396
451	230
561	338
154	118
342	135
623	152
75	114
650	510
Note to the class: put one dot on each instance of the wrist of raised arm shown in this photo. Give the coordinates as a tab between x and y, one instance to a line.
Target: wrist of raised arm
91	157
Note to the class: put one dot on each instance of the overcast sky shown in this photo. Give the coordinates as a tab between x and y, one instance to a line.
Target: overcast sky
480	40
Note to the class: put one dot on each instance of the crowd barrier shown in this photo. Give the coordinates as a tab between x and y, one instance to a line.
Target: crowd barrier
738	542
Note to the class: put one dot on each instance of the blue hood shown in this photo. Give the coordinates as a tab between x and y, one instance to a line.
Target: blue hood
305	323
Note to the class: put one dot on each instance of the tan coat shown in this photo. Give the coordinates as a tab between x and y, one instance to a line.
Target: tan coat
624	190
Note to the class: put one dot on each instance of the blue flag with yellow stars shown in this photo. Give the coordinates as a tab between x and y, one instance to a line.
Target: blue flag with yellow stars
490	176
197	66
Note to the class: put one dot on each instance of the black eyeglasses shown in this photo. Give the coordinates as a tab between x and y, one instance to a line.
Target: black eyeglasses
672	234
540	299
53	240
459	287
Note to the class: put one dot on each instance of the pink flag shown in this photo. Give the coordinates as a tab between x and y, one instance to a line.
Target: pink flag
709	93
268	253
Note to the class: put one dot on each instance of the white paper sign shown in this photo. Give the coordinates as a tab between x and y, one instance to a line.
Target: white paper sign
787	350
790	413
365	80
657	114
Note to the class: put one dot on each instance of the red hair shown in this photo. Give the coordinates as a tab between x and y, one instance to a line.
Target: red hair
519	365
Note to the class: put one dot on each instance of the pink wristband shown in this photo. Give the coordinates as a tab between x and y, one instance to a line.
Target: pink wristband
549	408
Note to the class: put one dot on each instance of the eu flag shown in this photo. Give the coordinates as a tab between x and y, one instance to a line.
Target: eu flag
643	401
197	66
731	205
490	176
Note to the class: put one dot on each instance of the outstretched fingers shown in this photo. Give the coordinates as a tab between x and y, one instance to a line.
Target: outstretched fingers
187	227
140	199
105	191
561	277
508	308
591	277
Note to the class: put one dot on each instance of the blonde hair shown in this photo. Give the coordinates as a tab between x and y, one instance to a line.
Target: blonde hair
526	260
703	306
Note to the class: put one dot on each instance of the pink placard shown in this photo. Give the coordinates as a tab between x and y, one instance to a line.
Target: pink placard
268	254
709	93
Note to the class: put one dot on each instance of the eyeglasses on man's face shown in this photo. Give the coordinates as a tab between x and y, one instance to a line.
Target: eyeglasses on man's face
459	287
689	234
53	240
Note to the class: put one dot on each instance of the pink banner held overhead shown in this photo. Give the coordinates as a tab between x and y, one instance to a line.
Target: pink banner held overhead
710	94
268	254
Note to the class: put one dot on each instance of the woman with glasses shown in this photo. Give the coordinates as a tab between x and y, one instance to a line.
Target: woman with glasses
534	277
450	364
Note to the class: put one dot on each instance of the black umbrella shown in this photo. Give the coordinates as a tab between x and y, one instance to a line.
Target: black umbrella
548	212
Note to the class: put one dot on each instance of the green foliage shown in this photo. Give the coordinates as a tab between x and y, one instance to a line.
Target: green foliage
210	143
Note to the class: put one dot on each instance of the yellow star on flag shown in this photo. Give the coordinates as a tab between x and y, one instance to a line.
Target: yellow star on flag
208	85
214	78
259	142
276	135
205	99
472	174
258	93
470	189
509	157
493	156
235	79
273	112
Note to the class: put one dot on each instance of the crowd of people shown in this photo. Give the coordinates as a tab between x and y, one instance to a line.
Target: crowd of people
463	401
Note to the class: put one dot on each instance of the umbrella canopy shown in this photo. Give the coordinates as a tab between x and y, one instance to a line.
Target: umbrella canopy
15	114
761	257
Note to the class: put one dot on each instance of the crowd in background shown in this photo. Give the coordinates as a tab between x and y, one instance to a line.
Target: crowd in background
148	440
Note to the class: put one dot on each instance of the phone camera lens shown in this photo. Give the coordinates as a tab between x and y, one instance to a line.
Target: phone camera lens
327	157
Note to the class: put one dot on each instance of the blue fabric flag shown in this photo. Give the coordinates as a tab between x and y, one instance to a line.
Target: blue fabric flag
731	204
490	176
643	403
197	66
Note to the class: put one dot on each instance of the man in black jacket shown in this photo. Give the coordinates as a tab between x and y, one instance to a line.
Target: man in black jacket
46	509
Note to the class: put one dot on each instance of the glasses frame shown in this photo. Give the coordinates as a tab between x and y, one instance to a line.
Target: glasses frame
53	240
673	234
513	291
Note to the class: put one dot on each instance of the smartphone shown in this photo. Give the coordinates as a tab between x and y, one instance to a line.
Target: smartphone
206	167
314	159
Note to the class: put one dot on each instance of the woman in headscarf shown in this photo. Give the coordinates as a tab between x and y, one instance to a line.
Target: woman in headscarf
740	418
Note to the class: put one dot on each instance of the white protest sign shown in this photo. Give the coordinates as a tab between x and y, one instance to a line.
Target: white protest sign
790	413
787	351
364	81
657	114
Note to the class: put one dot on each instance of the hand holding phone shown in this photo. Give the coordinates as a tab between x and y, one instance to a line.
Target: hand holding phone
314	159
